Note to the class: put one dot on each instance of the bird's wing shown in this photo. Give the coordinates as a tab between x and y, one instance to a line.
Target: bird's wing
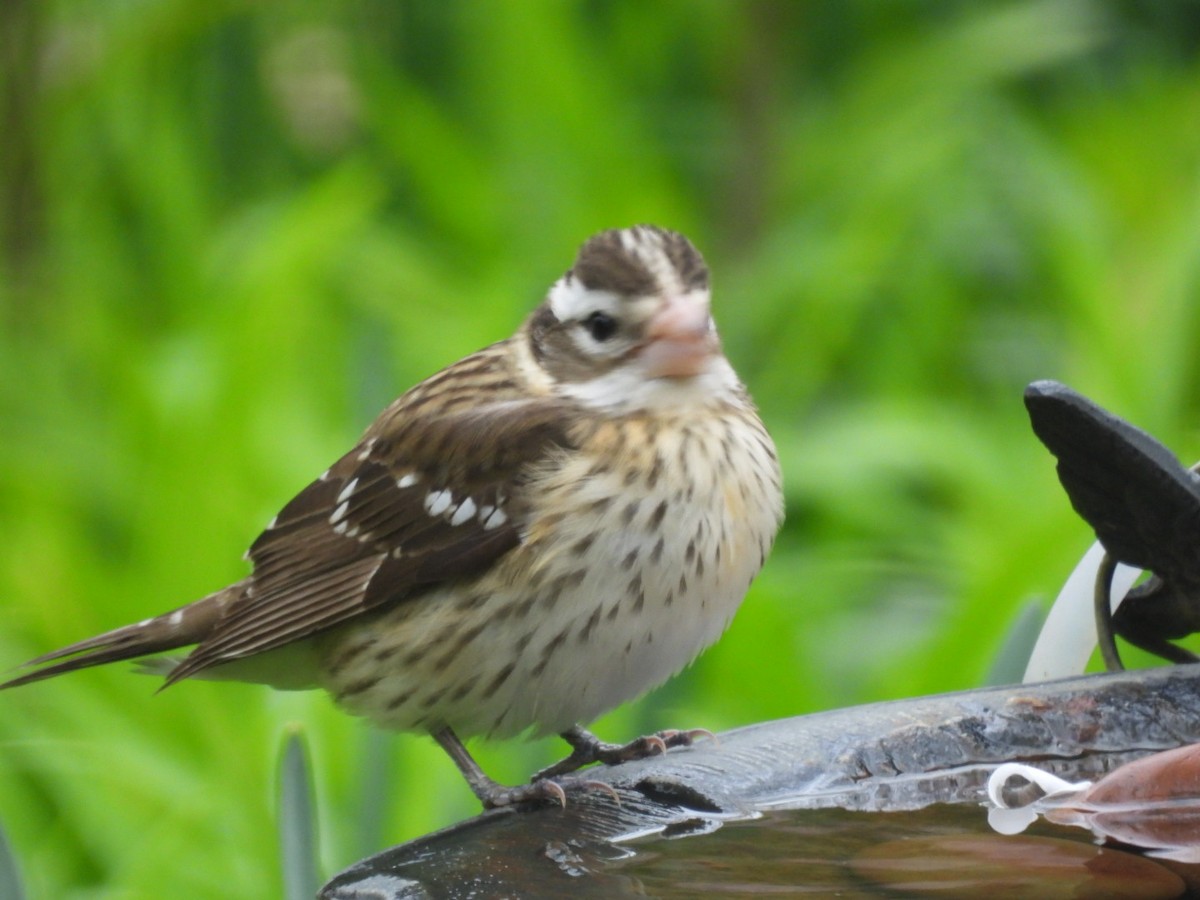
422	499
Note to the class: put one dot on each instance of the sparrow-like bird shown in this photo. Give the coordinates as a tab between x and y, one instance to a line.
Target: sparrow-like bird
521	542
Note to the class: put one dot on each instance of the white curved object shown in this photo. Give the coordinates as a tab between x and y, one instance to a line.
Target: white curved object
1068	638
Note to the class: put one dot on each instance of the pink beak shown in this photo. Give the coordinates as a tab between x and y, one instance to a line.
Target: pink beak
679	339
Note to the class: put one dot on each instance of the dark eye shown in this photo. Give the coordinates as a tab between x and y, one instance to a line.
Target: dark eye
600	325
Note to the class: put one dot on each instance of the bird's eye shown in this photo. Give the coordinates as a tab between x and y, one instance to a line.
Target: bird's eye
600	325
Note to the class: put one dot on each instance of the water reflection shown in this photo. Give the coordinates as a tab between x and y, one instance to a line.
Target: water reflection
940	851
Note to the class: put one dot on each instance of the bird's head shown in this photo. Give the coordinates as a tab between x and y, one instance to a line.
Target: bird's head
629	324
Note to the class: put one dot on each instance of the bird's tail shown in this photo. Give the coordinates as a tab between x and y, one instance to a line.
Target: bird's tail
182	627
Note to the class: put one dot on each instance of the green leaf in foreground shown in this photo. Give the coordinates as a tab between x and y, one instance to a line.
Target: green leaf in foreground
10	876
297	820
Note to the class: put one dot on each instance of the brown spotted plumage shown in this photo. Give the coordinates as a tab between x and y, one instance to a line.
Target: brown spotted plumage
541	531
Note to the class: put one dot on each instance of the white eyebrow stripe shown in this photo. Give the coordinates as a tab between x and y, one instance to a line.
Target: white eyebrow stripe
569	300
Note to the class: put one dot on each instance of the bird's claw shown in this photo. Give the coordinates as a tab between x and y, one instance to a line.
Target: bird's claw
539	791
651	745
588	749
685	738
545	790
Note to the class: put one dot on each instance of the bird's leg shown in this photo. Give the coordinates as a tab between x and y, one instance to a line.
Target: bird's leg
586	749
491	793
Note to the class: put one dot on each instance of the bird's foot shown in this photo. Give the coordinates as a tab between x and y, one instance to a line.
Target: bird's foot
494	795
540	790
586	749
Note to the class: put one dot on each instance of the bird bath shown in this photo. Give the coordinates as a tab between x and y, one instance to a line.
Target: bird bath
889	799
878	800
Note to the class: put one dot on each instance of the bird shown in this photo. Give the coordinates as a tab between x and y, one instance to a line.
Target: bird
528	538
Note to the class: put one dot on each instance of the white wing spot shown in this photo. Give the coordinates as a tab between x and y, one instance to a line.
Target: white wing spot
406	481
495	520
340	527
347	490
485	511
366	451
437	502
175	618
397	552
340	513
465	511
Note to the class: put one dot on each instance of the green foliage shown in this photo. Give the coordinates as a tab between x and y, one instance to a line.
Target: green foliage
10	872
232	232
297	820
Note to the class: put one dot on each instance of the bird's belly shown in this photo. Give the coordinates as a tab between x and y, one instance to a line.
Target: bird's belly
592	609
509	664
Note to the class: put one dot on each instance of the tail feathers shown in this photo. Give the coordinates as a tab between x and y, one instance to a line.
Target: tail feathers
182	627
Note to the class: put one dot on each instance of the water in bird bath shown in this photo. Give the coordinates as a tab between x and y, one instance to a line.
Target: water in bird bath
940	851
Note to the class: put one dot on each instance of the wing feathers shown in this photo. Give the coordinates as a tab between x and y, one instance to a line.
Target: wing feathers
416	503
423	499
254	627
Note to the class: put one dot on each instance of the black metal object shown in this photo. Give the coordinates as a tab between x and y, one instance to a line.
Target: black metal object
1144	506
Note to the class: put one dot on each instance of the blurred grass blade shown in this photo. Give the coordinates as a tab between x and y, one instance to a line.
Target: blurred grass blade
297	820
377	773
10	876
1009	665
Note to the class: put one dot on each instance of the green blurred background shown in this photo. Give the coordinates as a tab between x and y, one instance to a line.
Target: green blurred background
232	232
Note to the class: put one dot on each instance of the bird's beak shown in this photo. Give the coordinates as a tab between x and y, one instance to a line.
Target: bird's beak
680	340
